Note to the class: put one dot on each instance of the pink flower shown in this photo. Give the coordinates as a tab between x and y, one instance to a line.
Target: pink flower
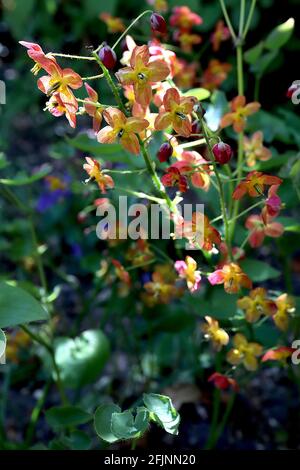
188	270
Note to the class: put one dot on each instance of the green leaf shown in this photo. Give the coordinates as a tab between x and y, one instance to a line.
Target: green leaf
261	65
111	152
199	93
22	180
253	54
82	359
162	411
2	344
93	8
65	416
102	422
280	35
259	271
79	440
125	426
17	307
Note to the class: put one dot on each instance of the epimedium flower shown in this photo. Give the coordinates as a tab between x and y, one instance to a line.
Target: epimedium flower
214	333
93	169
175	112
143	74
285	307
223	382
59	107
255	150
273	203
188	270
94	110
256	304
159	5
60	81
42	60
232	276
186	73
159	290
260	228
220	34
215	74
187	40
114	24
121	272
174	177
244	353
122	128
254	184
282	353
184	18
239	113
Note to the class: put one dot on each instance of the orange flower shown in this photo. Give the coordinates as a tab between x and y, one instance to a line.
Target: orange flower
60	81
187	40
285	306
42	60
254	149
183	18
221	33
215	74
123	128
140	253
159	5
244	353
93	110
176	111
58	107
279	354
223	382
160	289
114	24
214	333
254	184
257	304
185	74
260	228
93	169
232	277
143	73
188	270
195	166
174	177
121	272
239	113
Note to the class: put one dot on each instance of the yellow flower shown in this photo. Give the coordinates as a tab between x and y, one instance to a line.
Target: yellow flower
256	304
213	332
244	353
285	306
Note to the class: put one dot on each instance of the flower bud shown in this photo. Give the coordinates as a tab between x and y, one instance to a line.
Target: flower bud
108	57
158	23
196	127
165	152
294	87
222	152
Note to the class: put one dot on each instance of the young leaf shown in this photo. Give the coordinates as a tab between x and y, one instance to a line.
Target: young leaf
280	35
102	422
162	411
18	307
199	93
253	54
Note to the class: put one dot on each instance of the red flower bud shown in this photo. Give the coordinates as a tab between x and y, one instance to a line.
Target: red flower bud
165	152
196	127
108	57
158	23
294	87
222	152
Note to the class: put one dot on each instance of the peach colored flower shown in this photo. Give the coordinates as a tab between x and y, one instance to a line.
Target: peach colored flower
244	353
220	34
93	169
239	113
213	332
260	228
254	149
93	110
257	304
114	24
143	74
232	276
254	184
122	128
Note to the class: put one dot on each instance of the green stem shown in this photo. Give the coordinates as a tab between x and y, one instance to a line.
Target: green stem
249	19
219	184
38	339
110	83
227	19
224	421
36	414
146	12
242	18
71	56
246	211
